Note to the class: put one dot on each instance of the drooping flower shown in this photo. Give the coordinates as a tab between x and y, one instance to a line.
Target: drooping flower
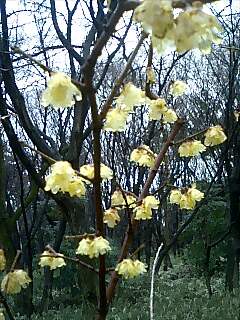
144	211
116	120
129	268
88	171
2	260
191	148
196	29
157	108
191	29
130	96
117	200
175	196
170	116
186	198
111	217
156	17
58	180
63	178
178	88
76	187
60	91
14	281
93	247
144	156
48	259
214	136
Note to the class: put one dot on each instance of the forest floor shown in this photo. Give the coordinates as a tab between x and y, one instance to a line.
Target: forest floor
179	295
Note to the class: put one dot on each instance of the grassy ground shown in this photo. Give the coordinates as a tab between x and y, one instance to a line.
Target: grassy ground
178	296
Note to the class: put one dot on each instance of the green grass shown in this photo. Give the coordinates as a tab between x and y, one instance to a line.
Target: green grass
179	295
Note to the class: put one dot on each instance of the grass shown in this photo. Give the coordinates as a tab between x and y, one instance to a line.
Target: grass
179	295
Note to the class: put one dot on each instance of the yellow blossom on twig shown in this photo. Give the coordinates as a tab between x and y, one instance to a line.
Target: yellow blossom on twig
60	91
144	156
88	171
144	211
129	268
48	259
191	148
93	247
214	136
186	198
111	217
14	281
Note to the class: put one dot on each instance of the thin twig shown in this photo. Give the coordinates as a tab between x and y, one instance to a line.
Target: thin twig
152	282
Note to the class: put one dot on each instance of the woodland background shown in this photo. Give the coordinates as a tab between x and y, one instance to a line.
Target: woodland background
200	263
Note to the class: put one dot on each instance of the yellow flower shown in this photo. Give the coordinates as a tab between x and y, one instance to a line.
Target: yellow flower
48	259
190	29
144	211
191	148
178	88
129	268
58	180
60	91
144	156
76	187
186	198
63	178
2	260
157	108
116	120
88	171
175	196
156	17
117	200
151	77
236	115
111	217
14	281
169	116
130	97
214	136
93	247
196	29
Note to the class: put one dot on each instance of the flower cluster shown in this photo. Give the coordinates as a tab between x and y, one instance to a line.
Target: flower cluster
191	29
214	136
178	88
159	110
87	170
111	217
2	260
93	247
14	281
144	211
48	259
129	268
144	156
63	178
60	91
116	118
191	148
118	201
186	198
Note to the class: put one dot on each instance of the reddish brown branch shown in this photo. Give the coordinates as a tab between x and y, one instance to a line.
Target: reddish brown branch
129	235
